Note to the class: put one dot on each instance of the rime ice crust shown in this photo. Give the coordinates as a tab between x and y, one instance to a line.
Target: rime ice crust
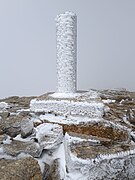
85	104
92	110
66	37
108	166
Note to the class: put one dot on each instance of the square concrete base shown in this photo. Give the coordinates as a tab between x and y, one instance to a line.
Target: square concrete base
81	103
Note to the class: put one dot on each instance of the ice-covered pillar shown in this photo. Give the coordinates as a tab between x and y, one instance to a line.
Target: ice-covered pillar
66	39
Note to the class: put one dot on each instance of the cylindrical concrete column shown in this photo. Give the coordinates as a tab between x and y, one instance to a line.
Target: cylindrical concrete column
66	39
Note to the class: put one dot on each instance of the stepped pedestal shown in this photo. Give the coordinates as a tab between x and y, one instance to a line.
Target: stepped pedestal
82	104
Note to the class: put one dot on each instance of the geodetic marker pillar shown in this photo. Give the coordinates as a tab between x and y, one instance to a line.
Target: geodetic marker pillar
66	48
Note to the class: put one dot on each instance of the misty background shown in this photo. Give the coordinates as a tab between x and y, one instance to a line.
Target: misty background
106	44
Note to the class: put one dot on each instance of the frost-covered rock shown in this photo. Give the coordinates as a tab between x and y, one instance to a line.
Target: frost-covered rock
2	138
49	135
98	158
17	147
53	171
11	125
95	148
4	114
87	126
3	105
26	127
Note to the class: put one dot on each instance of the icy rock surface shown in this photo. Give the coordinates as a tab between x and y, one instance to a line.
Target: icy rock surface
26	127
49	136
93	160
2	138
3	105
53	170
11	124
17	147
102	147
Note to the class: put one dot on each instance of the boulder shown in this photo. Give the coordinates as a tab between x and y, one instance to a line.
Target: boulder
16	147
26	127
49	136
2	138
22	169
95	158
11	125
87	126
3	105
4	114
52	172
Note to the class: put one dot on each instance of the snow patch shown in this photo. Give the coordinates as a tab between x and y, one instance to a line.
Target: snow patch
108	101
7	140
3	105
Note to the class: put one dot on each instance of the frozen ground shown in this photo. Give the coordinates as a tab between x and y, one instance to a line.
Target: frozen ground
73	146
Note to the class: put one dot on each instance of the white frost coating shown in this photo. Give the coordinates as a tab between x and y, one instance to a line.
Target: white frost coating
107	101
7	140
48	158
70	119
3	105
105	166
92	109
65	95
78	139
49	135
66	37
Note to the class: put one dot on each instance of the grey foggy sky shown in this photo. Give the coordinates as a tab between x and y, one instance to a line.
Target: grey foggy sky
106	44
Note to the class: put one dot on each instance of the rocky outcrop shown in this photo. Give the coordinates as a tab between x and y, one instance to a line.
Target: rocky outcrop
69	146
99	158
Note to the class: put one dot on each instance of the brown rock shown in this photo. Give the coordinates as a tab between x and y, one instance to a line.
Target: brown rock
99	129
117	95
18	101
26	127
53	171
98	158
88	147
46	173
4	114
2	138
17	147
11	125
22	169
